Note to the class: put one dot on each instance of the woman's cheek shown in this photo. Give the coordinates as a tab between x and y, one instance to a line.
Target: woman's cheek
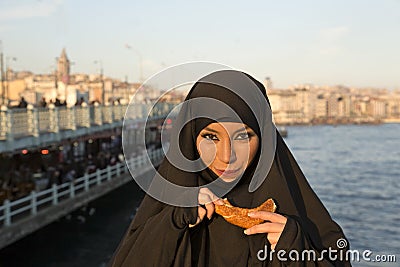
242	151
207	151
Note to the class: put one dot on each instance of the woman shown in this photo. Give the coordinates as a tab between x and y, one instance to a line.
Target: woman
227	146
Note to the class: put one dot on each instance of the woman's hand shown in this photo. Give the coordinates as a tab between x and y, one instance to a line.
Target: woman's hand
207	200
273	228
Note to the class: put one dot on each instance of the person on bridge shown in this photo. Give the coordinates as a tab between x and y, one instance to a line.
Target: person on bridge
23	103
232	149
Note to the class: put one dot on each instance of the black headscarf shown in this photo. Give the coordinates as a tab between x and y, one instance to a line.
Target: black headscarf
159	234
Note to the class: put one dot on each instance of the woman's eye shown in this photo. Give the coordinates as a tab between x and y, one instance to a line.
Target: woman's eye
211	137
242	136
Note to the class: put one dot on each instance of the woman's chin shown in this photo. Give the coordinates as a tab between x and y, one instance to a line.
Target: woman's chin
228	179
228	176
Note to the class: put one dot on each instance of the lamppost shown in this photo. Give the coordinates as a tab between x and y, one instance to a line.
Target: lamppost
56	75
102	81
129	47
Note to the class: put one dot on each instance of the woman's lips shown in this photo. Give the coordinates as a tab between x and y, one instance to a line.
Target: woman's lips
227	172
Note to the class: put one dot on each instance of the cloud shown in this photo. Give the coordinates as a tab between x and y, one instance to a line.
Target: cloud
330	40
29	10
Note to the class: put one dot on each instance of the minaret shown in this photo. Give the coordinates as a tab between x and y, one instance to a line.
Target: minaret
63	67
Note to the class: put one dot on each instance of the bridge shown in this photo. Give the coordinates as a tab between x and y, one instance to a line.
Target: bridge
35	127
38	127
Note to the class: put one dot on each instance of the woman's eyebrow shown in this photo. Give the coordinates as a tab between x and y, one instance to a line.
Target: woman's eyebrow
211	130
246	128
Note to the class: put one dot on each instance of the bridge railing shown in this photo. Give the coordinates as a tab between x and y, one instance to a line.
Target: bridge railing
31	121
12	211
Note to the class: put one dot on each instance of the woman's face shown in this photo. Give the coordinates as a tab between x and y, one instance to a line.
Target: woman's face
227	148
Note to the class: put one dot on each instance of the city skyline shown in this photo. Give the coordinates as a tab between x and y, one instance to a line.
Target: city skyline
348	43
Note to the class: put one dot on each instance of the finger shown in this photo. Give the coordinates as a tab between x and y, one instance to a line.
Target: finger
207	199
219	202
268	216
210	210
266	228
204	199
211	197
201	213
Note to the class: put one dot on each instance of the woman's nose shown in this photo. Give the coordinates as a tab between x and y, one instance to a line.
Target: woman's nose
226	152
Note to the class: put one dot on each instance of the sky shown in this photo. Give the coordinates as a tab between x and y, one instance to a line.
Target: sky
353	43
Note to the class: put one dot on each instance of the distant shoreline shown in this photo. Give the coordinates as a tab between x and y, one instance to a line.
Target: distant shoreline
340	122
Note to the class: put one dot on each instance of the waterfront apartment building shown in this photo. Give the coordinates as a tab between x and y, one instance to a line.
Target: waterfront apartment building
307	104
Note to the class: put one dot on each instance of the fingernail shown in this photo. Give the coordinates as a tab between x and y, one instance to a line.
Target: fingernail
245	232
250	214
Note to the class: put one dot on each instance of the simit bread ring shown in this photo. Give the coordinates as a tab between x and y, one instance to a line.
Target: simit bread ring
238	216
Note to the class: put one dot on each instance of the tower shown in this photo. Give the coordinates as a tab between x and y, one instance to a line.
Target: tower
63	67
268	83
